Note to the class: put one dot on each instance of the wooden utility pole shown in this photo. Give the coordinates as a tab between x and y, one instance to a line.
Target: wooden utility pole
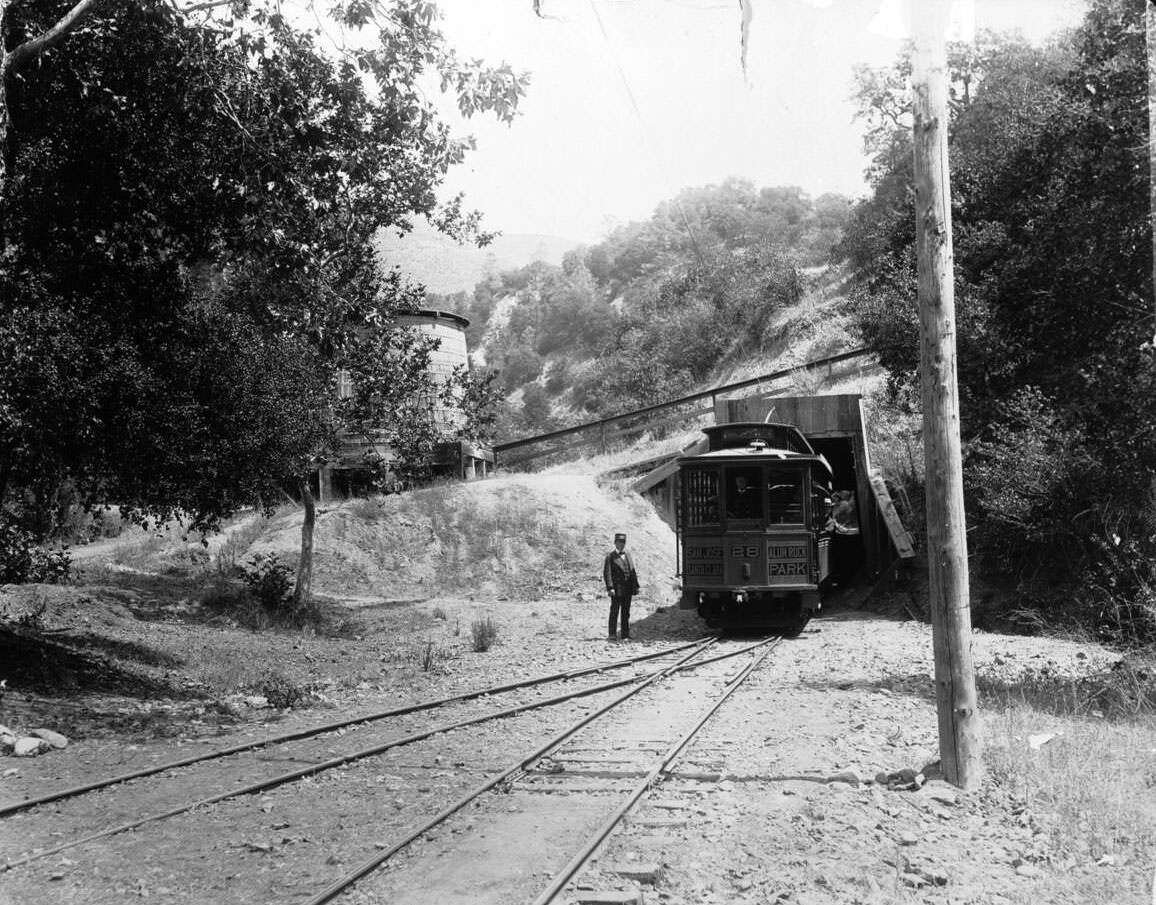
959	742
1150	27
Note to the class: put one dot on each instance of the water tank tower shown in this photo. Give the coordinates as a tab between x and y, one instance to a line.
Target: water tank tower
450	332
453	457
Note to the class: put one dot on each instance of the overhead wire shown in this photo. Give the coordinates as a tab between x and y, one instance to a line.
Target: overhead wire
646	132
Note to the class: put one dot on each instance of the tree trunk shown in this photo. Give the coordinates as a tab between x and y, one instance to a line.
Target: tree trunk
13	59
5	65
303	590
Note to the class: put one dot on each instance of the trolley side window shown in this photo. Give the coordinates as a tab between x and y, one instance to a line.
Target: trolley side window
701	497
821	503
744	492
784	495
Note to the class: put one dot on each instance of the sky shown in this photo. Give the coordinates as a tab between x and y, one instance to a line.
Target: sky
632	100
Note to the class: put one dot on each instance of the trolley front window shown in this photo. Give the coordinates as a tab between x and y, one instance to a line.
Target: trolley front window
784	495
745	492
701	497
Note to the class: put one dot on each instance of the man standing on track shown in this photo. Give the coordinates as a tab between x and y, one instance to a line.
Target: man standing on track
621	584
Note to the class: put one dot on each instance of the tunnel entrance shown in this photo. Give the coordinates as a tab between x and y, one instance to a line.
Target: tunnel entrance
846	549
834	426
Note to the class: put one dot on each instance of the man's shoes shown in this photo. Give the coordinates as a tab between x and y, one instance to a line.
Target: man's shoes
611	637
625	637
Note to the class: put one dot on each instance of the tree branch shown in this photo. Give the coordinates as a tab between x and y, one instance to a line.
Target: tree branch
199	7
33	47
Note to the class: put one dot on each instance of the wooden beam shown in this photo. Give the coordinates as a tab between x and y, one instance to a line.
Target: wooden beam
959	736
900	538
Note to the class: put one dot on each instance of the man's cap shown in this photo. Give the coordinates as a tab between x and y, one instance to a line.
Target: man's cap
619	537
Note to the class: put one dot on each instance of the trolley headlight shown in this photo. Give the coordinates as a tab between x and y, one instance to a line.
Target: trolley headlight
740	597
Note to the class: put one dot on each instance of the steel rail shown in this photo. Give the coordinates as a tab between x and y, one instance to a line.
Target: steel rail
75	791
598	836
314	769
368	866
337	887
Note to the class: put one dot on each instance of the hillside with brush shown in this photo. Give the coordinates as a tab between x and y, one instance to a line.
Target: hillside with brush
722	281
521	537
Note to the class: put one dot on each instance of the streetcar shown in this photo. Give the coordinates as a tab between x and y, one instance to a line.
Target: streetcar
754	527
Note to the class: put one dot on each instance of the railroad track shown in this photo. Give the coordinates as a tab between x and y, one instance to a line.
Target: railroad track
615	763
29	802
137	800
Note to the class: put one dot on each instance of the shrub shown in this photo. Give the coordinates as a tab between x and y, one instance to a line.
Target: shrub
1120	590
108	522
1128	689
521	365
557	380
483	633
370	509
269	580
432	657
238	538
23	561
280	691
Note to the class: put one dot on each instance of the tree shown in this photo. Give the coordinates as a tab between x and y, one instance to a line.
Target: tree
536	409
1053	284
183	191
27	47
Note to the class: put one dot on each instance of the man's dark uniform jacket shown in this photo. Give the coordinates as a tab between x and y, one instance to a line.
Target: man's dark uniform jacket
619	575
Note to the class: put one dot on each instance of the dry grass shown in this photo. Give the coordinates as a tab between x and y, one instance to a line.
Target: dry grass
644	446
224	672
1088	790
141	553
429	656
482	546
483	634
239	537
1077	762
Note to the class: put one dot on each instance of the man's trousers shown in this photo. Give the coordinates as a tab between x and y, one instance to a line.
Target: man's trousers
619	607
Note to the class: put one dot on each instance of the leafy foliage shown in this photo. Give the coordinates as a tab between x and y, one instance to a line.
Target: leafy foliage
186	218
23	561
1053	293
280	691
645	315
269	580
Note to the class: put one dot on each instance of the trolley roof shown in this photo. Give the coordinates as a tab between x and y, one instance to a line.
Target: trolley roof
769	436
748	439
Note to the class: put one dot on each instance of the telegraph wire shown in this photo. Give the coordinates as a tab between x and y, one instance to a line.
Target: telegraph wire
646	133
